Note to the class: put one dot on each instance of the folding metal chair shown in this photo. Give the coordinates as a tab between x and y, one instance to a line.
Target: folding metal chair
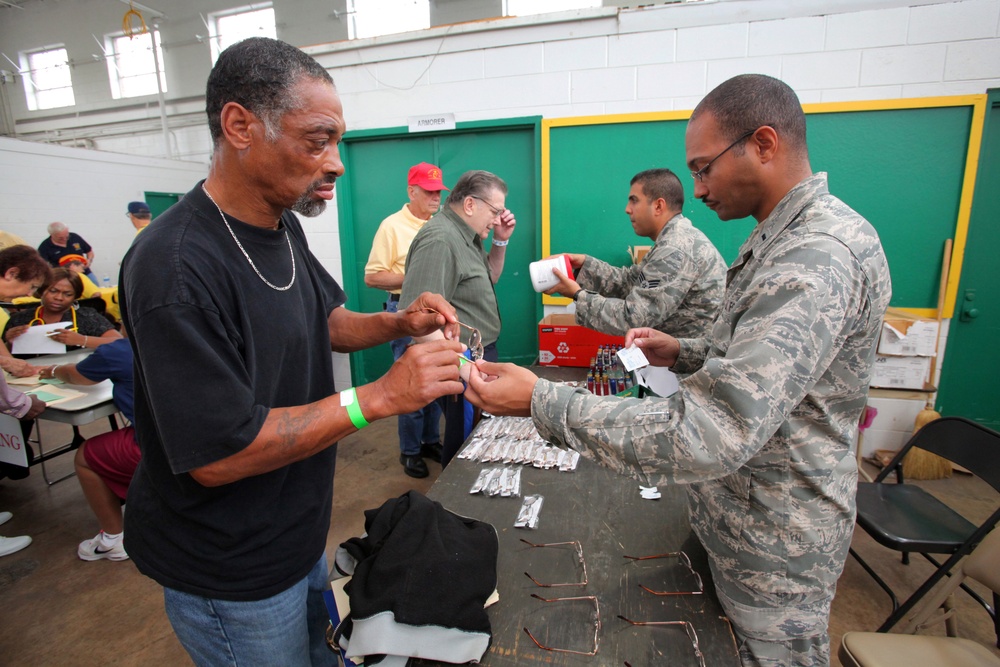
873	649
905	518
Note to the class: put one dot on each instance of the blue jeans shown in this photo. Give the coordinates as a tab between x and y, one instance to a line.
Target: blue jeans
286	630
422	426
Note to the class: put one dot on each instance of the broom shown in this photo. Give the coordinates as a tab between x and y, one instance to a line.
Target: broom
919	463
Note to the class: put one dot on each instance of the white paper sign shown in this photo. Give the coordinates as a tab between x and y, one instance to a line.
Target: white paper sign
632	358
37	341
435	123
12	449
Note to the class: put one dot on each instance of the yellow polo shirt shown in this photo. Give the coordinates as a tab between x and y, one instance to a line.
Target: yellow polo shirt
392	243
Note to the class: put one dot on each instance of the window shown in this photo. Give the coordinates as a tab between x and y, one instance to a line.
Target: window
526	7
131	66
227	28
371	19
47	81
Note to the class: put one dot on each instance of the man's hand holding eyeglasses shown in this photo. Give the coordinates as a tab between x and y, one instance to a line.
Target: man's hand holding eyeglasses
430	313
501	389
424	373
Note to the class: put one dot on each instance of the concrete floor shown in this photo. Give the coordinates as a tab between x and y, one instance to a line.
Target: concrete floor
59	610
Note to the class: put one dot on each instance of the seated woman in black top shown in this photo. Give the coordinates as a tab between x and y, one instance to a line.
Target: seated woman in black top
87	327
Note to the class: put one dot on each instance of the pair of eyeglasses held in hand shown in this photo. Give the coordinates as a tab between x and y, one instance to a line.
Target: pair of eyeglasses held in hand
475	344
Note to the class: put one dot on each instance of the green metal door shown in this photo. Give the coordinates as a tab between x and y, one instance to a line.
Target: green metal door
969	377
159	202
374	186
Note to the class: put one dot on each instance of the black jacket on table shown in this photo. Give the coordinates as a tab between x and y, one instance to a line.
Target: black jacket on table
421	579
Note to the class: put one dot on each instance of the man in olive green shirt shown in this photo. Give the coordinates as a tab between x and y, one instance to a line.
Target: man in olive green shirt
447	253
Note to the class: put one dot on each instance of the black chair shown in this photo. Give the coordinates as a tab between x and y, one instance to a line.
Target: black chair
905	518
101	306
95	302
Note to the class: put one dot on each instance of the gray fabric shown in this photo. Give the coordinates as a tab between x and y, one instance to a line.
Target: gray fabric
382	634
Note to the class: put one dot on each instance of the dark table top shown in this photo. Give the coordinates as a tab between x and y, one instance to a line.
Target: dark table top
606	515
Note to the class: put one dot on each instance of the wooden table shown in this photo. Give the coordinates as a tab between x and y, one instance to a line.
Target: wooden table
605	513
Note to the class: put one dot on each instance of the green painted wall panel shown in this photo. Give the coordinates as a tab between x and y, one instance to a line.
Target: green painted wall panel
902	169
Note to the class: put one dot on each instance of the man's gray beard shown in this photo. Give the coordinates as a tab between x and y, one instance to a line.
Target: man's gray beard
308	206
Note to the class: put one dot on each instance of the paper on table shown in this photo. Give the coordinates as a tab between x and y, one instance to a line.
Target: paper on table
36	340
29	381
53	395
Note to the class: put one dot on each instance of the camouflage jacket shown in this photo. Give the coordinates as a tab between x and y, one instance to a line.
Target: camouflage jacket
762	431
676	288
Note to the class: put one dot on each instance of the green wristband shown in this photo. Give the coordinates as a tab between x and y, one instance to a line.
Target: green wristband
349	400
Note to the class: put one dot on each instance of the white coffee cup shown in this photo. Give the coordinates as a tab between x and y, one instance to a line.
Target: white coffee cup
542	277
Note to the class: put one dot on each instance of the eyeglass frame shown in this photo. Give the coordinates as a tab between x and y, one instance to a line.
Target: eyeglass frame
579	556
700	174
497	212
597	625
476	348
688	627
683	558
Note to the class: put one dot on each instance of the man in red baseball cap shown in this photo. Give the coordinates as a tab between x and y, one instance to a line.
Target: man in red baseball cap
419	432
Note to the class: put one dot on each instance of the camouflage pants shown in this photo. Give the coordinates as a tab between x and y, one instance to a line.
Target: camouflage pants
803	652
770	635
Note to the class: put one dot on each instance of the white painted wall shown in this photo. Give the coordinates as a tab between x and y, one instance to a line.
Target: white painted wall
88	190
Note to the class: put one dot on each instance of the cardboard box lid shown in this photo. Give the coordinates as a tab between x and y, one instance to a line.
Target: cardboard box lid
638	252
559	319
901	321
905	334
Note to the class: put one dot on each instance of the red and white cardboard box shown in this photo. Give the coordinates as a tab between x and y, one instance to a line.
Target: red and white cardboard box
563	342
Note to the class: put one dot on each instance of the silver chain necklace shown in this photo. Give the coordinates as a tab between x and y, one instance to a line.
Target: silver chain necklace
252	265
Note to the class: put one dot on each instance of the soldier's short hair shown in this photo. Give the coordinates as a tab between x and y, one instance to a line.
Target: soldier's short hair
748	101
661	184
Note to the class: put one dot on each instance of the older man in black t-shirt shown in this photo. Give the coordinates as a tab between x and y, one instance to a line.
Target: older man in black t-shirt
232	321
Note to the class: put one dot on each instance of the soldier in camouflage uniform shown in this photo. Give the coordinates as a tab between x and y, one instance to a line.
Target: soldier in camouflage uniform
762	431
676	288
